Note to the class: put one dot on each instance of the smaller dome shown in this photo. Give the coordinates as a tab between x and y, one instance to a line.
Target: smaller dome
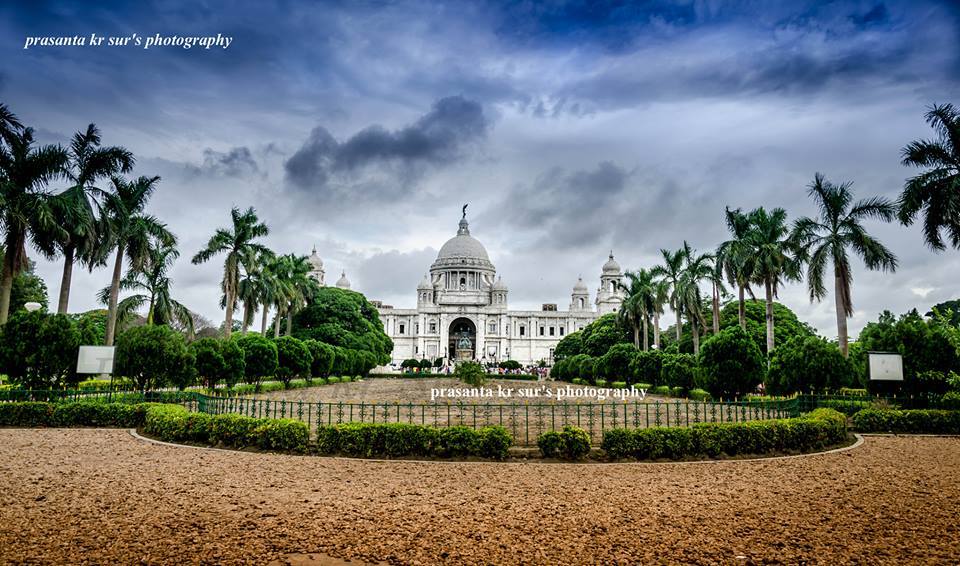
424	284
580	287
343	282
611	266
315	260
499	285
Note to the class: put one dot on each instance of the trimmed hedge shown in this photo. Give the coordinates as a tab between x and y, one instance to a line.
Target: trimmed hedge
921	421
571	443
73	414
174	423
816	430
392	440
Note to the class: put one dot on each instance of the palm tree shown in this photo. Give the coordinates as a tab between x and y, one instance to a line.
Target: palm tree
660	297
636	307
737	259
829	236
716	289
253	286
74	211
131	233
294	288
25	210
774	258
238	243
153	281
697	267
671	271
937	190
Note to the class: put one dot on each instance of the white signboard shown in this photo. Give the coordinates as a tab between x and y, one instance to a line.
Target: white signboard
885	366
95	359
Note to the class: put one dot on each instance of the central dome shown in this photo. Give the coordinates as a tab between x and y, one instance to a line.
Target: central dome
463	248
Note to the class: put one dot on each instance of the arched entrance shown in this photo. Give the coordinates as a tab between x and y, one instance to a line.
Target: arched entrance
463	340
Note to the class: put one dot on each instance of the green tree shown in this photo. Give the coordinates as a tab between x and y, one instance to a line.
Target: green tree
730	363
737	259
344	318
131	233
788	325
647	367
294	359
256	287
679	370
568	346
950	310
260	357
808	363
616	362
25	210
641	291
235	360
697	267
73	209
154	357
828	238
471	373
774	258
238	242
322	357
936	192
28	287
209	361
39	350
671	272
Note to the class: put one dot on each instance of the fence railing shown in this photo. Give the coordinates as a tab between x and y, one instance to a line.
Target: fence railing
524	421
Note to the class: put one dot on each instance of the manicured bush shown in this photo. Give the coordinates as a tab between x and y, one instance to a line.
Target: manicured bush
293	359
647	367
26	414
730	363
852	391
235	360
154	356
615	364
259	355
173	423
284	435
510	365
393	440
209	361
678	370
493	442
950	400
601	383
618	384
927	421
699	395
39	350
322	358
663	390
571	443
471	373
818	429
231	430
807	363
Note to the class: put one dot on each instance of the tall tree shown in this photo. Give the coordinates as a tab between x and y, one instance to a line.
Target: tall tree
661	296
638	304
253	288
25	211
74	209
238	242
152	281
774	256
671	271
837	229
130	233
936	191
737	259
697	268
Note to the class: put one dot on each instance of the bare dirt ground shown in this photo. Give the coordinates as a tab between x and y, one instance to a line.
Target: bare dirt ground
102	496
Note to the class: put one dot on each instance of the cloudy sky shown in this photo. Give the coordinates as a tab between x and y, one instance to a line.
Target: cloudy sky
571	128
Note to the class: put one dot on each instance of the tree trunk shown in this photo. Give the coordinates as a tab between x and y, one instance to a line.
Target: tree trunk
246	316
841	314
656	330
636	336
679	325
716	309
646	337
65	280
289	321
263	321
114	297
276	323
742	309
769	288
695	329
6	287
228	323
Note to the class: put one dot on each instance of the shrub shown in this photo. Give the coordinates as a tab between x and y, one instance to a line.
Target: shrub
852	391
661	390
601	383
26	414
699	395
571	443
950	400
285	435
260	357
929	421
293	359
95	413
807	363
471	373
231	430
510	365
615	364
173	423
399	439
154	356
234	359
816	430
730	363
322	358
619	384
210	364
678	370
39	350
494	442
647	367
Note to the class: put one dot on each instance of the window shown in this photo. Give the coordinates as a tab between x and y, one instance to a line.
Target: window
416	328
433	327
523	330
493	328
561	331
580	302
542	330
416	350
402	328
551	331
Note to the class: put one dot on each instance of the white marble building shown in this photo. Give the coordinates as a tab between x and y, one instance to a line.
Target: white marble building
462	310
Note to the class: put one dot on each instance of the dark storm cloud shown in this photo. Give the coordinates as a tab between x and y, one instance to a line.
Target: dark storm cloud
438	138
237	162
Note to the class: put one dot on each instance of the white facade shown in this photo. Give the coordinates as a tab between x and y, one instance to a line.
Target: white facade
462	311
